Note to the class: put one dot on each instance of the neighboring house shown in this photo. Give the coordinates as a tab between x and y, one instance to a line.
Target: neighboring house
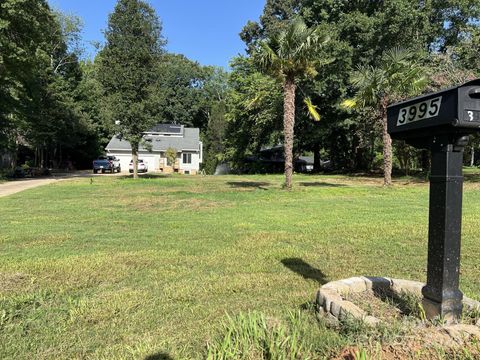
271	160
186	141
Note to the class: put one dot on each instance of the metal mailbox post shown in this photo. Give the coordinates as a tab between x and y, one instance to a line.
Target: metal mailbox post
441	122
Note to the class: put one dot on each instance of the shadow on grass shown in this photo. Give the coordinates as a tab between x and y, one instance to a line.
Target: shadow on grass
159	356
249	184
144	176
305	270
320	184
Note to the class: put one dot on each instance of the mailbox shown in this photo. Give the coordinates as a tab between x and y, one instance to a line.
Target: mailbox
454	111
441	122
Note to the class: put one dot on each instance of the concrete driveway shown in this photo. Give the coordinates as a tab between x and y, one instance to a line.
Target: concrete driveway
15	186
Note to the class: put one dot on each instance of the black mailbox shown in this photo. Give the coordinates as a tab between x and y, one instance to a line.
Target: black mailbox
448	112
441	122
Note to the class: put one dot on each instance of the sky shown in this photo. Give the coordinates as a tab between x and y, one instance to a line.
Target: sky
203	30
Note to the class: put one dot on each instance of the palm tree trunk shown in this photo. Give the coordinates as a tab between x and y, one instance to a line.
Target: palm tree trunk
387	146
135	161
288	125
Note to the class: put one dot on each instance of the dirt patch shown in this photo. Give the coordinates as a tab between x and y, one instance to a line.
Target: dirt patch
410	349
385	306
169	203
14	281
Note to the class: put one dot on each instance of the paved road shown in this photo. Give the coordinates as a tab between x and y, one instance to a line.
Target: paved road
12	187
15	186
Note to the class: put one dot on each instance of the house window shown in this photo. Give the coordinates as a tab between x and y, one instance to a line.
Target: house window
187	158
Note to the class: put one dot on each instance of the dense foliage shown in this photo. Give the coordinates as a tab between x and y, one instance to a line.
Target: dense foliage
42	97
441	36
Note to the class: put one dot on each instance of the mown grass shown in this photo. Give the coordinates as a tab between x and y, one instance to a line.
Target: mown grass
117	268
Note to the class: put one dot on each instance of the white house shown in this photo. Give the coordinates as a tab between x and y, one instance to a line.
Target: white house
186	142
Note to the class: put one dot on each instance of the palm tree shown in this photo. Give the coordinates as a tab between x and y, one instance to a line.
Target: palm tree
397	76
289	55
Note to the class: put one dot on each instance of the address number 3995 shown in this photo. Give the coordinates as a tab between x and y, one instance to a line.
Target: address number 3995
420	111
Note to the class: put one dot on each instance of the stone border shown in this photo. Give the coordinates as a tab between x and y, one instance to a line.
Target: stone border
330	299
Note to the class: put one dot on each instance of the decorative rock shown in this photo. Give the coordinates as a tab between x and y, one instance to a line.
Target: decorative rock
335	308
355	284
331	320
400	286
377	284
461	332
337	286
348	308
326	296
470	304
332	307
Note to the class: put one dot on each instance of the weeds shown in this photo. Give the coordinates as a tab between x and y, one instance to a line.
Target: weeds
252	335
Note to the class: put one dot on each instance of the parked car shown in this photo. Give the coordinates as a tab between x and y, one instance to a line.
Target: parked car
142	166
106	163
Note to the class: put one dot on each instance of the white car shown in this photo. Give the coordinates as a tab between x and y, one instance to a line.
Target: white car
142	167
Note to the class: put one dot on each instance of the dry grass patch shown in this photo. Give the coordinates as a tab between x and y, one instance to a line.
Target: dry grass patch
18	281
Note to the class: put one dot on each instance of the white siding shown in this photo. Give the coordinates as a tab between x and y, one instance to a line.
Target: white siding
195	165
151	160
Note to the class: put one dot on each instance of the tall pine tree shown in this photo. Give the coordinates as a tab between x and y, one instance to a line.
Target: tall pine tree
134	44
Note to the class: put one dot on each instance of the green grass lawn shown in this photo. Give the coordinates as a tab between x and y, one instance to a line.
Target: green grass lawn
119	268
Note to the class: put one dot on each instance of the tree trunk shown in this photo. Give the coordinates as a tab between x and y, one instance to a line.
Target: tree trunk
472	159
288	125
372	151
316	158
15	154
387	147
425	160
135	161
42	157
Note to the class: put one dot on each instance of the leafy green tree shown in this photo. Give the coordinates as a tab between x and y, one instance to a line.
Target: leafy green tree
215	90
371	28
178	91
24	32
171	155
127	65
254	108
289	55
275	17
54	127
214	137
398	75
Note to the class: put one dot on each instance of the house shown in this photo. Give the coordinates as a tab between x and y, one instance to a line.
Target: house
271	160
185	141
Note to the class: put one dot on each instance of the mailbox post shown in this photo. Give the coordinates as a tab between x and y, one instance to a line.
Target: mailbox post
441	122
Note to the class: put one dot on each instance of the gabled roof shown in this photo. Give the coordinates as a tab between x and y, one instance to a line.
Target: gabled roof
189	141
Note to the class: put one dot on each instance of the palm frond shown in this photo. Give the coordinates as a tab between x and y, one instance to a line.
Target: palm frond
398	75
349	103
293	50
312	109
